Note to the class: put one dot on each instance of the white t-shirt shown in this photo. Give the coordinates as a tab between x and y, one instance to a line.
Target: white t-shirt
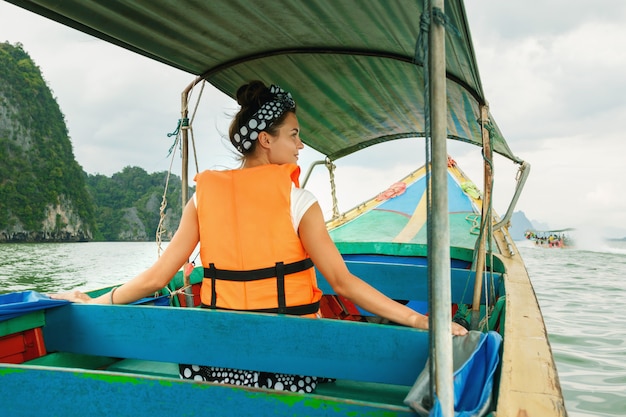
301	201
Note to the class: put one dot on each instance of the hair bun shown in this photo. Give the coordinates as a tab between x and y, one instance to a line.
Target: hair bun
253	94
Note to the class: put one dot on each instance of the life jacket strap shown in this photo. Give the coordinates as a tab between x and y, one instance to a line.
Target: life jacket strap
256	274
301	310
278	271
211	272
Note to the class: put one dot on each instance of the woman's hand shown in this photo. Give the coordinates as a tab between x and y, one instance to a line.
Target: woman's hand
421	322
73	296
458	330
320	247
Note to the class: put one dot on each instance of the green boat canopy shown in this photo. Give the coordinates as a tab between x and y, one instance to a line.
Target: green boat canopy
355	67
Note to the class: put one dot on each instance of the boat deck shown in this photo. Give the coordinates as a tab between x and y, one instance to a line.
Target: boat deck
382	394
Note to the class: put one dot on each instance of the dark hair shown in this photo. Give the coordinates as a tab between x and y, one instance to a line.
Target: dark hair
251	97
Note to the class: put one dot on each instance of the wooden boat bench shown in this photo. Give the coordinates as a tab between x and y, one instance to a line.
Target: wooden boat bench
410	282
400	281
335	349
374	365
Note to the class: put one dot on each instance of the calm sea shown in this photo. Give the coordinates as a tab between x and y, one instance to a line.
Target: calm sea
582	294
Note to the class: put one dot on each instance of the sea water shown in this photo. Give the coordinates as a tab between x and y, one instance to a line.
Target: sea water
582	294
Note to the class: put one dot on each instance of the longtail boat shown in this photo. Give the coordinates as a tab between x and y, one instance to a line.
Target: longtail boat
363	72
557	238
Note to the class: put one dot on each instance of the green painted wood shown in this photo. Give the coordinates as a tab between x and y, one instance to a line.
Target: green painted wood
73	360
21	323
142	367
343	389
330	348
411	249
64	392
364	391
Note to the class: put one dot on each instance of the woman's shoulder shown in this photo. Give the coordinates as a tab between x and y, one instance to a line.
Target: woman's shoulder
302	194
301	201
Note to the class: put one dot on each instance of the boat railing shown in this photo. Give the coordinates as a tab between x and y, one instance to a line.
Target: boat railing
310	170
524	171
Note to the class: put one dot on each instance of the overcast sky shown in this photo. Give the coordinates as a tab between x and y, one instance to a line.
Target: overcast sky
553	73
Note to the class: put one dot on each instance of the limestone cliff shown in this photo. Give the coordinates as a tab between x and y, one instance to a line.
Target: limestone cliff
42	188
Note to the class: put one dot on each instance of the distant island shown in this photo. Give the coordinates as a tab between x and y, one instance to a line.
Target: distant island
519	225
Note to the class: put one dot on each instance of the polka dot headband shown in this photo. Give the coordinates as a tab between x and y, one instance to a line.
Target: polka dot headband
263	118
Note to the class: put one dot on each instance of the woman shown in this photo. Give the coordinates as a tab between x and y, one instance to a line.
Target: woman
258	234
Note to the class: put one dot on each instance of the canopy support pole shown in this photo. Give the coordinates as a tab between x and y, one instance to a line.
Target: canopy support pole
185	173
184	114
439	230
485	218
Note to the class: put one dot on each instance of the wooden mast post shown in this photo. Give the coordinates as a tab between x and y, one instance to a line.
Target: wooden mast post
439	230
485	217
189	301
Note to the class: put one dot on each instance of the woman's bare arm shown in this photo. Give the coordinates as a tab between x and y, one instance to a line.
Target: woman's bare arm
328	260
159	274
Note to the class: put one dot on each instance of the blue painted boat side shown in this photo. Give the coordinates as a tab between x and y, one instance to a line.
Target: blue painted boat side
330	348
36	391
404	281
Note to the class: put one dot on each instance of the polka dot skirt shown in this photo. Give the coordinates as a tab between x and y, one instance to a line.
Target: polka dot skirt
281	382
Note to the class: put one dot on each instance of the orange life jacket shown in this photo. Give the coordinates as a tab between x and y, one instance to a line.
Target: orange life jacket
253	258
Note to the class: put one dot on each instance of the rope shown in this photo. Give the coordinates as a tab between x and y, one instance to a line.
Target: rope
442	19
490	128
421	45
161	227
171	294
183	123
421	55
333	189
193	116
489	277
475	220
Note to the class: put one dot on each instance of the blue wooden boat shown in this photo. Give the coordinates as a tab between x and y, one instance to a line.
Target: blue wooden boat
363	72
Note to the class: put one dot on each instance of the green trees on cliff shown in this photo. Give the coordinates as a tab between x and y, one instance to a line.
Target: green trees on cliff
133	188
38	170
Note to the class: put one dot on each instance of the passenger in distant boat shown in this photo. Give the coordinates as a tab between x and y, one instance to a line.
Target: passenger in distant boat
245	220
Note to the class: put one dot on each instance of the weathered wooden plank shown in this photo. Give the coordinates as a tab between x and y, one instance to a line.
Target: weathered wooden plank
409	282
529	383
264	342
28	391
